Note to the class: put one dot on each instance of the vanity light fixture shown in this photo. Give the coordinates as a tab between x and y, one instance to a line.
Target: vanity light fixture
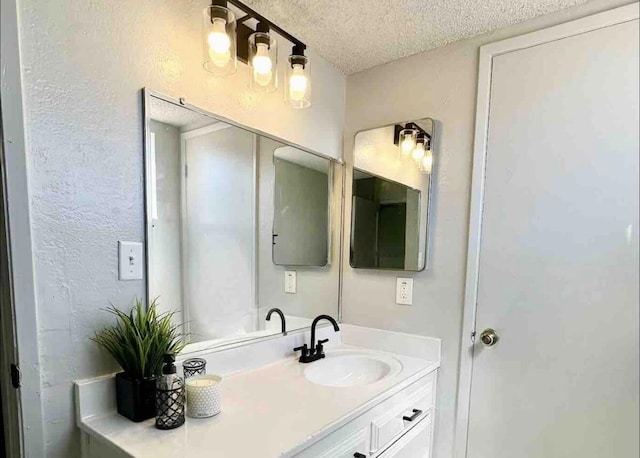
227	40
263	60
298	90
219	39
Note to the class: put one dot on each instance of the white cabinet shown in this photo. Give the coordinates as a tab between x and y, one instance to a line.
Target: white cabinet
397	426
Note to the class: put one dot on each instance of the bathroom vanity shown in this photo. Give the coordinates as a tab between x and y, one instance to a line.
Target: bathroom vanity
239	225
373	395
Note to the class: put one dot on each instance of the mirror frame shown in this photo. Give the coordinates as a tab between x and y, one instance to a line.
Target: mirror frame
198	348
430	189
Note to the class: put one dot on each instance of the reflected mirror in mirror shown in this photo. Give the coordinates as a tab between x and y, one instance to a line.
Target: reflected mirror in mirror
301	208
391	194
216	194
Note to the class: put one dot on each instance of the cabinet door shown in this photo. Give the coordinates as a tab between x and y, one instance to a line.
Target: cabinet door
415	444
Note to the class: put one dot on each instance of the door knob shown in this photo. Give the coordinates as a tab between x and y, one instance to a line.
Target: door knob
489	337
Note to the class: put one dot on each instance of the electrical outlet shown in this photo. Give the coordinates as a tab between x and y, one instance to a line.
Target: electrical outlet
290	281
404	291
130	261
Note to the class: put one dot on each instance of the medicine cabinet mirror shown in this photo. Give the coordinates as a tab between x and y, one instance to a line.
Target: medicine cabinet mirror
230	211
301	208
391	195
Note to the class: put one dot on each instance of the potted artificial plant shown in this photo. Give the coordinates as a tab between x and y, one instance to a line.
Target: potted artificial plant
138	341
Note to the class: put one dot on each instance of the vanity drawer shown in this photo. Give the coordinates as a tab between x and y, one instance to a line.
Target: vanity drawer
399	419
415	444
350	447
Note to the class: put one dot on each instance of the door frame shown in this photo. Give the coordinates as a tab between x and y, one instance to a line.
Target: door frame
10	426
21	265
487	53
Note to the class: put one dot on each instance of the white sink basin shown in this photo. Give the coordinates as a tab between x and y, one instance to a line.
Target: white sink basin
342	368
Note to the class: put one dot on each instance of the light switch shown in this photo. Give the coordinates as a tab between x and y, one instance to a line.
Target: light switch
404	291
130	260
290	281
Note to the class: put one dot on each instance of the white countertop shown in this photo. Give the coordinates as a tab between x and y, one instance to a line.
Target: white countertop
270	411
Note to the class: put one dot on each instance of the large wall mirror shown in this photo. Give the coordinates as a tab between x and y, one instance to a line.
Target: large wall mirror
229	213
391	195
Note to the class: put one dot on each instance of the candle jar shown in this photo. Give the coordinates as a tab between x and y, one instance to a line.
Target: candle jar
194	366
203	396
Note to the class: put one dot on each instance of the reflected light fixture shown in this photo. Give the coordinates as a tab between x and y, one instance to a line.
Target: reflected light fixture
407	141
227	40
426	164
413	141
419	151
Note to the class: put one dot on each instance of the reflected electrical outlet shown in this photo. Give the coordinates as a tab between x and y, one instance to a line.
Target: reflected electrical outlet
290	281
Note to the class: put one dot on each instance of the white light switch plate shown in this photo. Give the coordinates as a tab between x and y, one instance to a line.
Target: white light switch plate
130	260
290	281
404	291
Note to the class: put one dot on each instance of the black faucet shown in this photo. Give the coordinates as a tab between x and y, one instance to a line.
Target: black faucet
315	352
284	322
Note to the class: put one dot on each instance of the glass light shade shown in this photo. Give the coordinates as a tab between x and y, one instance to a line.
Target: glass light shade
263	60
418	152
298	91
407	141
426	165
219	40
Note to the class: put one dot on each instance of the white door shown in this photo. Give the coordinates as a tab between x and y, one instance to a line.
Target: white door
558	255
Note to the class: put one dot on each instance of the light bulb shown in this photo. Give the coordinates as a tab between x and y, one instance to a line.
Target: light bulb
427	162
219	59
297	83
262	79
418	152
219	43
261	62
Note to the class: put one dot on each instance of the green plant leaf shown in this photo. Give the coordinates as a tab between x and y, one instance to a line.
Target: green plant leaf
139	339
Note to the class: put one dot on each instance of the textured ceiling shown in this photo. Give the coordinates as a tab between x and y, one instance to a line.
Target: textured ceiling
358	34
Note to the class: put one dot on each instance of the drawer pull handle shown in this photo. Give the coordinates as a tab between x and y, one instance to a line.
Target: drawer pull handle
359	455
416	414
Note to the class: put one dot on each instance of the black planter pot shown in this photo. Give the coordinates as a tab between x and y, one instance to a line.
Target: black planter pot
136	399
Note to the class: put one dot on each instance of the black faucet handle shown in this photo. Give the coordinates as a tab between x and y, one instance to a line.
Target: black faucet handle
304	349
320	348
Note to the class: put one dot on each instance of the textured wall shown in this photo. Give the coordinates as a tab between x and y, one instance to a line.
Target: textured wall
84	64
441	84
